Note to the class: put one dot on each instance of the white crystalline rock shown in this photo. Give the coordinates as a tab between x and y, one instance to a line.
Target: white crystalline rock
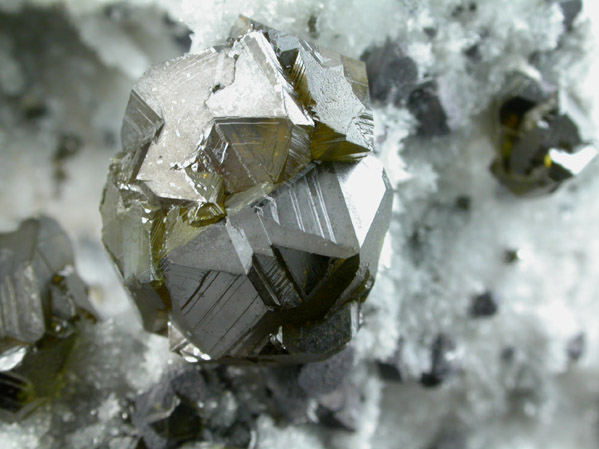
514	385
391	127
272	436
156	356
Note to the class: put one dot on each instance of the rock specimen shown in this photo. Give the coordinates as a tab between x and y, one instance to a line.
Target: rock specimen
169	413
393	78
483	305
392	75
244	213
544	137
570	10
41	298
220	404
424	104
443	363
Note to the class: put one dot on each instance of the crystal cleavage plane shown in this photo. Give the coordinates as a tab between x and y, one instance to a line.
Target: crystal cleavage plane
244	213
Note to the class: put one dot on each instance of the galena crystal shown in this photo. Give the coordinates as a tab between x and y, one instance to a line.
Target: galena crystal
544	137
244	213
41	298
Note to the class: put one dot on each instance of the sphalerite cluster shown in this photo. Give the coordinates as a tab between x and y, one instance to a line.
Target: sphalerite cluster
544	137
244	213
41	299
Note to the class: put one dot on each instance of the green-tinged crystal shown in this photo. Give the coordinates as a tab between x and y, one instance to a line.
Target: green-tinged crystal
544	137
333	87
248	151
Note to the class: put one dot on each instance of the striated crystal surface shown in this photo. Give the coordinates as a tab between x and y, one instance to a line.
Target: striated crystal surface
41	298
244	213
544	137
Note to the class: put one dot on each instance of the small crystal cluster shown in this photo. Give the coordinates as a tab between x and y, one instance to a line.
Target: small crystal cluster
393	78
41	298
544	137
221	404
244	213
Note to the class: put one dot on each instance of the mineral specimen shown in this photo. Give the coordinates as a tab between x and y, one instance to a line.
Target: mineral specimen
392	368
220	404
443	364
392	75
424	104
244	213
169	413
576	347
41	298
393	78
570	10
544	137
483	305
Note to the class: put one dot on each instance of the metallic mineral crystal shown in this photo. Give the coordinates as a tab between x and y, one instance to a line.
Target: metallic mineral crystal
244	213
393	78
167	414
544	137
41	298
220	404
392	75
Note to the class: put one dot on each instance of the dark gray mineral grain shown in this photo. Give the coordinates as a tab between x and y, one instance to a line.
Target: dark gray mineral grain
41	300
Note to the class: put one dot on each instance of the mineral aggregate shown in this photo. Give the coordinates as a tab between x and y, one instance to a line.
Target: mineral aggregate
544	137
236	212
517	382
393	78
221	404
41	300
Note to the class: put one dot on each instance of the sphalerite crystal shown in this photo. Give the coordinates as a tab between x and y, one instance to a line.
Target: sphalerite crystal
41	298
544	137
244	213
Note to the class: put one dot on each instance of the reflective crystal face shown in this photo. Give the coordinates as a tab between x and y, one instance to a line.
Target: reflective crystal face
544	138
244	213
41	298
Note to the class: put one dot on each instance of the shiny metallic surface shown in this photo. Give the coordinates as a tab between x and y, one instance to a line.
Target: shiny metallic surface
244	213
544	138
41	299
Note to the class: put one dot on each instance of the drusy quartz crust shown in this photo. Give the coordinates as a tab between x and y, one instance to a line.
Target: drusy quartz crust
41	299
244	213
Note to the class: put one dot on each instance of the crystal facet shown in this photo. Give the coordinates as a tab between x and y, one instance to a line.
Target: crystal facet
244	212
544	137
41	298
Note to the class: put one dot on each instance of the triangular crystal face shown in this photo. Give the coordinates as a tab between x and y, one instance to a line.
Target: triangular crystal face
249	151
306	269
320	280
